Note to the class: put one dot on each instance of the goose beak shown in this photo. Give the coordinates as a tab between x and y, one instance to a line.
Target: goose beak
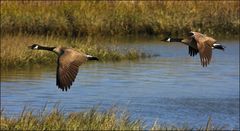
29	47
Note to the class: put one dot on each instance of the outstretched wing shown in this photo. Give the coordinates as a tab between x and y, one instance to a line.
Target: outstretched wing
192	46
205	51
192	51
68	65
204	45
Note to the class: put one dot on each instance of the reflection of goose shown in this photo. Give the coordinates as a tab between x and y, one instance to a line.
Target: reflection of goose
198	42
68	63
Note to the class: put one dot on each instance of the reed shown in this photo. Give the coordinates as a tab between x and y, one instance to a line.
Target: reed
15	52
92	119
87	18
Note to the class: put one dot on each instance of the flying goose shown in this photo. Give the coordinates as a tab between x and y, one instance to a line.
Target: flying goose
201	43
68	63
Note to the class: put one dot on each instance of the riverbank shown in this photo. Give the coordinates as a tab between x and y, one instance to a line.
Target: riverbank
16	54
67	23
93	119
111	18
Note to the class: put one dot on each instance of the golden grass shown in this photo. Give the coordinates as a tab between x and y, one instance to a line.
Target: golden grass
30	21
93	119
84	18
15	52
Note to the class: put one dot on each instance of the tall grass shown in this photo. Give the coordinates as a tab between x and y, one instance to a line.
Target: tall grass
93	119
16	54
85	18
25	22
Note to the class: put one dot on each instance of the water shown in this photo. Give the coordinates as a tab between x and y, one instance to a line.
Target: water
171	88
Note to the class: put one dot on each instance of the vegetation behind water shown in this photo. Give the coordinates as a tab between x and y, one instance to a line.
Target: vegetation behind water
43	23
61	23
16	54
93	119
85	18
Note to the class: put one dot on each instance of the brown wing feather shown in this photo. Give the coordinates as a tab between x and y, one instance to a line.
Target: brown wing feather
205	51
204	45
68	65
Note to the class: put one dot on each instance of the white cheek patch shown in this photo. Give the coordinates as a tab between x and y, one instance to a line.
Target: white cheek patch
168	40
36	47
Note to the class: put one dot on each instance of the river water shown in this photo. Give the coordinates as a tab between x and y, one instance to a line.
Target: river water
171	87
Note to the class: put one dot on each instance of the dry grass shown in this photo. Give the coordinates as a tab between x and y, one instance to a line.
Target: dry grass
15	52
93	119
84	18
25	22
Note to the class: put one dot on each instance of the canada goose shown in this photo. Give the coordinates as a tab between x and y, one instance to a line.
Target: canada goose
198	42
68	63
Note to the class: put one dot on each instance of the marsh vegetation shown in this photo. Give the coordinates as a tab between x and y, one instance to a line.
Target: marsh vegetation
80	24
63	23
85	18
16	54
93	119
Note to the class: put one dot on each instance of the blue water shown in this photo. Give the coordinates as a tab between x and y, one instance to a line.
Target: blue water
171	88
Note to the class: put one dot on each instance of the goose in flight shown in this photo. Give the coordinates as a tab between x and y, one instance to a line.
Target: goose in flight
68	64
199	43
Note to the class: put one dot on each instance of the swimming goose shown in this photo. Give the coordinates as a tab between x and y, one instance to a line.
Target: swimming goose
201	43
68	63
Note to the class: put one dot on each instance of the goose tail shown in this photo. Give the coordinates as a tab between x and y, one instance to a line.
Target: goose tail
89	57
218	46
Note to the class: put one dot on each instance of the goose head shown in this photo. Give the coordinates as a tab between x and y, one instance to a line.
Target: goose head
167	39
191	33
34	46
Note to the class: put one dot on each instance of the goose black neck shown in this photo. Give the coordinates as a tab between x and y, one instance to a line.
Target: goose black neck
46	48
176	39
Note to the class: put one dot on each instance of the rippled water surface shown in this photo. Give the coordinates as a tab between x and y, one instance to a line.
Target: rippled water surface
171	87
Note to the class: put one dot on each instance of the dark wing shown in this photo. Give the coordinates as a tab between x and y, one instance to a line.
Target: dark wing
205	51
192	51
192	48
68	65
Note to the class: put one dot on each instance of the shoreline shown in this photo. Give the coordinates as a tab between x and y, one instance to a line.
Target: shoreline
91	119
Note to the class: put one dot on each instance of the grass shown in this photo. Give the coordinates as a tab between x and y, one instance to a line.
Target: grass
64	22
88	18
93	119
15	52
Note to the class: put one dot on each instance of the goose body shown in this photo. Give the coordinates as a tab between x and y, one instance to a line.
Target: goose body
68	63
199	43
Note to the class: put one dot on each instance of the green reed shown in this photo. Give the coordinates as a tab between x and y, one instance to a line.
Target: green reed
85	18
